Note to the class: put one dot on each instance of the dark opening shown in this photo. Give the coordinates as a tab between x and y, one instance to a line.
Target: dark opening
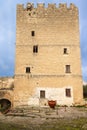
65	50
35	49
42	94
27	69
33	33
5	104
68	92
67	68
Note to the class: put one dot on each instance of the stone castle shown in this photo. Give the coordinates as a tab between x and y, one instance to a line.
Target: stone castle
48	62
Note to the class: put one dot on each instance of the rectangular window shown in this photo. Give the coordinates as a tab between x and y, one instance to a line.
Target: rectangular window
42	94
67	68
27	69
35	49
32	33
65	51
68	92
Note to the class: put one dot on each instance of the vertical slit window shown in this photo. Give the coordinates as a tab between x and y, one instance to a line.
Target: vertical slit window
42	94
35	49
68	69
65	51
68	92
33	33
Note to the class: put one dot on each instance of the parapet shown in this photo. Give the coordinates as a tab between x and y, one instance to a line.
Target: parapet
50	5
51	10
20	7
40	5
29	6
63	6
72	6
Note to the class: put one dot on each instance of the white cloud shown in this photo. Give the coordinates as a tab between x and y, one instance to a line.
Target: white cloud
84	83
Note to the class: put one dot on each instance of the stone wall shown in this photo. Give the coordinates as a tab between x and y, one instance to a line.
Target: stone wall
55	28
7	89
6	82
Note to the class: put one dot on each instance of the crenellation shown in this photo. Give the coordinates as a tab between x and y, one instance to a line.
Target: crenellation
29	6
50	11
63	6
20	7
51	6
41	5
72	6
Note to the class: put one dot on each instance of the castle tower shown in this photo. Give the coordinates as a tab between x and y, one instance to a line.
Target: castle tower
48	63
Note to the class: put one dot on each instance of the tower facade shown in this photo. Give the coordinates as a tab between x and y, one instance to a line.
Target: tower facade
48	62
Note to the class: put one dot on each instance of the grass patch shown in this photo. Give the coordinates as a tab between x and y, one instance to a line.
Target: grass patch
66	124
57	124
5	126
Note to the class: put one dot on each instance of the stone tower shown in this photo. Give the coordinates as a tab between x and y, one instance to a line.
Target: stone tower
48	63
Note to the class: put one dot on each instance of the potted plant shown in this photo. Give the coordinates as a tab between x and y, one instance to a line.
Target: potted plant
52	103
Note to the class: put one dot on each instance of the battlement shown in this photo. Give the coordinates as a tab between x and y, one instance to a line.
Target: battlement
41	5
30	6
63	6
52	10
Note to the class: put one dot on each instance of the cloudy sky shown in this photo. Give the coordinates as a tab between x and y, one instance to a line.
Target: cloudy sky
8	32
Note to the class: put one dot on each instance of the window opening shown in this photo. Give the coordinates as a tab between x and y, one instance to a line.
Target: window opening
27	69
33	33
42	94
68	92
35	49
67	68
65	51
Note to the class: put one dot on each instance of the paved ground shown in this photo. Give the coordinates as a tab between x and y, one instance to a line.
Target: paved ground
46	119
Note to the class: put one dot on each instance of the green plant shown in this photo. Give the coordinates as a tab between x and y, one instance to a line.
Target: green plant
79	106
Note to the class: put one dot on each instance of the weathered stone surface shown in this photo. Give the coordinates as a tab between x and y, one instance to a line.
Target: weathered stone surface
6	89
54	28
55	33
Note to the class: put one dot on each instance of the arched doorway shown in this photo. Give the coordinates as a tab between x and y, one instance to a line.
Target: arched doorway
5	104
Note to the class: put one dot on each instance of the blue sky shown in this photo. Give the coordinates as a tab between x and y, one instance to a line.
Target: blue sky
8	32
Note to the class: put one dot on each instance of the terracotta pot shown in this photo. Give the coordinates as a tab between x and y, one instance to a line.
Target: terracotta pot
52	103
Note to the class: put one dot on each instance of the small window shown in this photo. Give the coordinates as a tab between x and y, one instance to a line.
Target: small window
42	94
68	92
67	68
27	69
33	33
35	49
65	51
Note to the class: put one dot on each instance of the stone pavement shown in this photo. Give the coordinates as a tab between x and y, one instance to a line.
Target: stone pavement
32	118
39	115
